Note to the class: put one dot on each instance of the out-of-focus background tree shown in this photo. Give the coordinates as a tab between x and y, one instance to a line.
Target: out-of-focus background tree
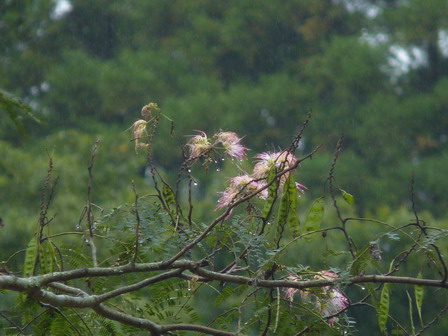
374	70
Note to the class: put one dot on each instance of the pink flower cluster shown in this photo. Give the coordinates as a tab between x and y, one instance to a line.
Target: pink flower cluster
231	143
244	185
201	145
332	302
240	186
266	161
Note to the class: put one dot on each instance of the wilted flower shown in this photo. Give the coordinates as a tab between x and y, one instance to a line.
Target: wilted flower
231	144
138	129
240	186
147	110
375	250
198	144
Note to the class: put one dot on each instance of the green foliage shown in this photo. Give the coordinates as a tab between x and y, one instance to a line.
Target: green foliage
16	110
418	294
47	257
31	255
314	217
347	197
383	308
290	200
411	317
363	261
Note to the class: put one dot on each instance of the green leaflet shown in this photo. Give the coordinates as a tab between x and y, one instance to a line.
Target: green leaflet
293	219
272	195
418	293
383	309
288	209
170	201
168	195
347	197
58	326
314	217
46	257
224	294
30	258
411	318
361	262
283	210
15	108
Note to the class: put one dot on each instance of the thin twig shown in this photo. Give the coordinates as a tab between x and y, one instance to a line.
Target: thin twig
137	225
21	331
434	320
89	212
330	179
45	201
423	229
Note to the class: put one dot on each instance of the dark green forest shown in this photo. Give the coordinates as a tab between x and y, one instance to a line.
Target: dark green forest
374	71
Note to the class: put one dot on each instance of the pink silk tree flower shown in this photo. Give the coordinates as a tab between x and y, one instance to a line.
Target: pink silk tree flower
267	160
300	187
231	144
198	144
227	137
236	151
326	275
227	197
240	186
333	301
281	160
336	301
290	291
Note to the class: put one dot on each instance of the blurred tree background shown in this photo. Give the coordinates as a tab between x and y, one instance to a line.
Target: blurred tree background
373	70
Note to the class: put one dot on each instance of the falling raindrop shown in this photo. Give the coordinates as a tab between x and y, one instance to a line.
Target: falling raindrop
222	159
189	170
217	169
